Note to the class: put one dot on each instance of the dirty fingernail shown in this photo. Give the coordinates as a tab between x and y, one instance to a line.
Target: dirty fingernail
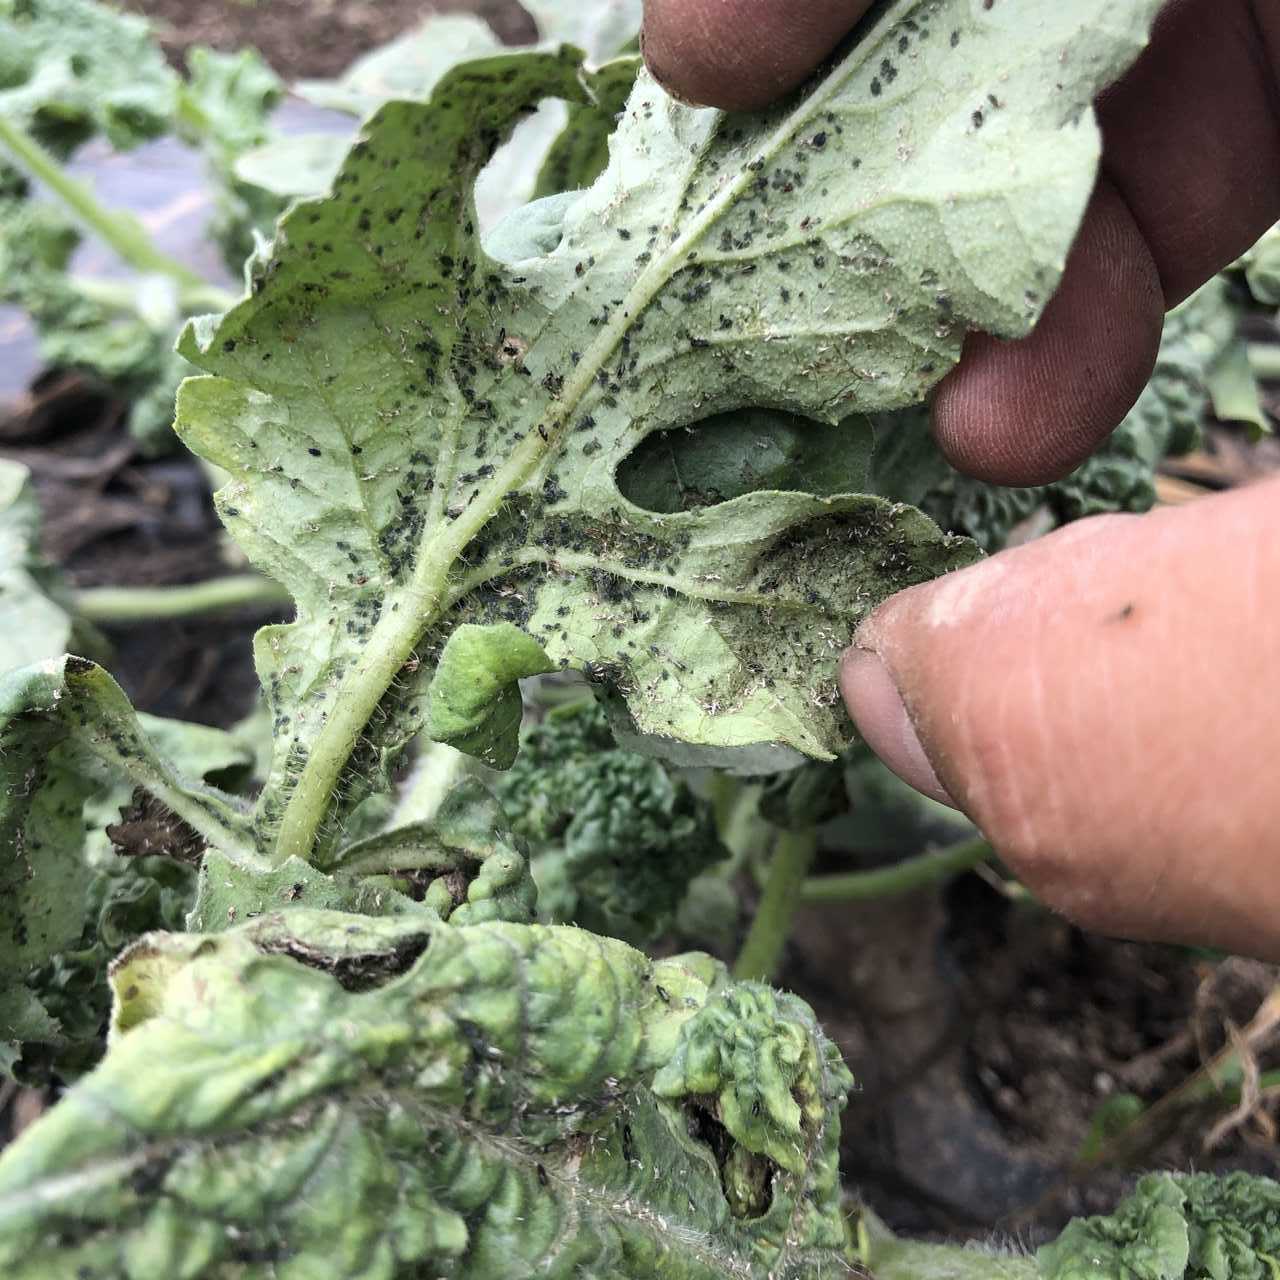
881	716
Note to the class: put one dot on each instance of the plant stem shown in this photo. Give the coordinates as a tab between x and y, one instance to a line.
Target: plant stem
126	605
903	877
1264	360
123	232
913	1260
768	934
122	295
410	611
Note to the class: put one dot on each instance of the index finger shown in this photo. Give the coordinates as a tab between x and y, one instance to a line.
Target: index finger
741	54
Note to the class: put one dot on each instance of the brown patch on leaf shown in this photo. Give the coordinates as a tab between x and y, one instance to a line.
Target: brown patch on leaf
147	829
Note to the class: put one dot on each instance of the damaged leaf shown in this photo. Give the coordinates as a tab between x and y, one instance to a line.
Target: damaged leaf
420	436
375	1098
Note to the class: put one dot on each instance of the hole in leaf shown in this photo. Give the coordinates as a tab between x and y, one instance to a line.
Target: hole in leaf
361	972
746	451
746	1178
148	829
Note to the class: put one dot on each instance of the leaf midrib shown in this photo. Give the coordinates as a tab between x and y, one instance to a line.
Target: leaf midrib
424	598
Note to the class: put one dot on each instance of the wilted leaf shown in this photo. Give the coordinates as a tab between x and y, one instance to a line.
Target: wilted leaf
68	740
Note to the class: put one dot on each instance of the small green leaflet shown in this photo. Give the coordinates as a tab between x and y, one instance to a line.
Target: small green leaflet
475	702
420	436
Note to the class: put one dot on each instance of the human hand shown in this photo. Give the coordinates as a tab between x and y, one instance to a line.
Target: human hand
1104	703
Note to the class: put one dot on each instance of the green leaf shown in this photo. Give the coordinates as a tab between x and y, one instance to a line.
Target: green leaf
1262	268
224	107
228	892
352	492
35	609
1234	391
66	734
70	69
616	839
23	1020
1175	1227
419	436
486	1108
68	721
474	700
466	861
226	101
746	451
73	752
580	151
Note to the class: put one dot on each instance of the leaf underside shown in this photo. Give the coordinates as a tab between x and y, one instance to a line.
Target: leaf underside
395	407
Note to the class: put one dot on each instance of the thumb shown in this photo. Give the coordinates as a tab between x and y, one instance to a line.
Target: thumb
1105	705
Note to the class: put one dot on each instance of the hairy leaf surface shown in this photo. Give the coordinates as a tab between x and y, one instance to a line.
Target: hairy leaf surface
395	407
492	1112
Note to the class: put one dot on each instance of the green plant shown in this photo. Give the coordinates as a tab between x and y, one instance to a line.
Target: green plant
360	1054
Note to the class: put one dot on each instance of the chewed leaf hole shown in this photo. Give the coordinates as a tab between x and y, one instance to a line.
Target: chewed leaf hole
746	451
746	1177
362	972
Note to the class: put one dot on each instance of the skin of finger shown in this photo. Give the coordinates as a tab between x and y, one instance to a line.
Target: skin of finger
1103	703
741	54
1031	410
1191	136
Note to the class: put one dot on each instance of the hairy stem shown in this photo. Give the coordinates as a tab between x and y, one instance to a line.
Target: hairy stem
123	232
125	605
762	950
903	877
892	1259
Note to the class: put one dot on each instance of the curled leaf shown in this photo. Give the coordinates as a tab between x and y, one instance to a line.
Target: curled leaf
363	1098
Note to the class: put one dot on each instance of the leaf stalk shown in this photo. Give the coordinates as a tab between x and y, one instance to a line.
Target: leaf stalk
121	231
125	606
902	877
762	951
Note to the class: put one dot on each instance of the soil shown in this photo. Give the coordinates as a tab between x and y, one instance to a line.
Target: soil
312	38
114	517
985	1034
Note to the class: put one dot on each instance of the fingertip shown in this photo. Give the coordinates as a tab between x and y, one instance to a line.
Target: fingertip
740	55
1031	410
1088	698
882	719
